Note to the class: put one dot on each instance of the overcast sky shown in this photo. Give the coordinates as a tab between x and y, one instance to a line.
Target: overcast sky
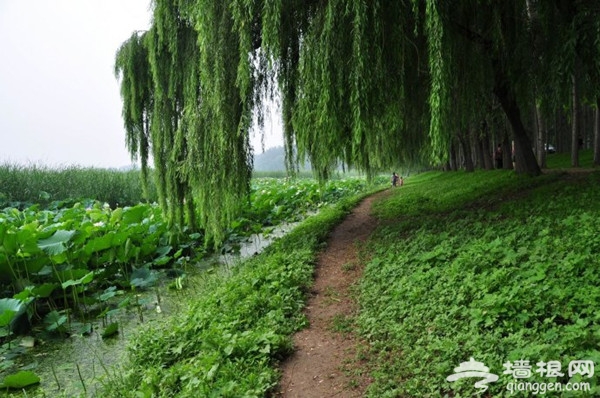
59	100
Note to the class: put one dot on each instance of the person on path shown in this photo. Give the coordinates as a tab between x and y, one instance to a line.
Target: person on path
394	179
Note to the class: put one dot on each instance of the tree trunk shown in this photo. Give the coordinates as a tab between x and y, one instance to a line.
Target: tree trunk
597	134
584	124
563	133
539	128
525	161
488	163
478	146
453	157
575	135
465	144
481	145
507	162
541	137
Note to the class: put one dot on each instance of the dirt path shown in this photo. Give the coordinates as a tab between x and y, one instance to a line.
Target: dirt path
323	351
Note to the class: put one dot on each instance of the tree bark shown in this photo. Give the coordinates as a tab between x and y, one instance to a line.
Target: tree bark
453	158
525	161
478	146
597	133
488	162
575	135
465	144
507	162
541	137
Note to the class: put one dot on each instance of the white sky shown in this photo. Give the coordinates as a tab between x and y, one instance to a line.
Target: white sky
59	100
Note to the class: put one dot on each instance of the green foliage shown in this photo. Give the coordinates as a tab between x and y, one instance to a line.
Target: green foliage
280	174
236	328
483	265
9	309
69	265
349	93
201	155
75	251
275	200
21	186
19	380
371	84
563	160
56	246
192	83
111	330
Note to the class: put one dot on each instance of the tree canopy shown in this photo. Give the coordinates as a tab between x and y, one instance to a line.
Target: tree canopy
371	84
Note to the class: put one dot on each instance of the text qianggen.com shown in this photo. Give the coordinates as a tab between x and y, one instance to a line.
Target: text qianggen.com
542	388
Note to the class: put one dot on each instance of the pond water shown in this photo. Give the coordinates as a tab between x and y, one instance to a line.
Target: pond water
76	366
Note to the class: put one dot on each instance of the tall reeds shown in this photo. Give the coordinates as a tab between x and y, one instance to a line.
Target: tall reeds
41	184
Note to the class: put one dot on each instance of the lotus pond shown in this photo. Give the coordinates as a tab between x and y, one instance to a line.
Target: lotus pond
85	275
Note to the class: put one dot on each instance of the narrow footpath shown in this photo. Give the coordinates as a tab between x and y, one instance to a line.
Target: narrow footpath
324	362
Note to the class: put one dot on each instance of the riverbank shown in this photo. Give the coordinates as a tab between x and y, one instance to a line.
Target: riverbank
229	340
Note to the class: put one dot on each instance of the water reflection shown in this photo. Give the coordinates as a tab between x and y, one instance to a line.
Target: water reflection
76	366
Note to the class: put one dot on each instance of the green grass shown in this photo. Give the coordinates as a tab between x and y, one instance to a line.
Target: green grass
93	251
563	160
487	265
440	192
229	341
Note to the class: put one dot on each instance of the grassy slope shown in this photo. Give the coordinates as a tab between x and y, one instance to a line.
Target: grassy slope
486	265
563	160
236	328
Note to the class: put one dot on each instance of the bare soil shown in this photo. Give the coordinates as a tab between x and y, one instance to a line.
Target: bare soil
325	361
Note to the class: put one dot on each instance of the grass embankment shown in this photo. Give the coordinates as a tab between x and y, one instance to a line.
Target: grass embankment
563	160
236	328
487	265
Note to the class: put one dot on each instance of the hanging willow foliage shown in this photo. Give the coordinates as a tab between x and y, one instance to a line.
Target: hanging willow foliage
132	67
522	51
196	106
352	80
372	84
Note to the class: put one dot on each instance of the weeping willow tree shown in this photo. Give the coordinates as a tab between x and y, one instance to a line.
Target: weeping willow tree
566	57
191	83
526	52
353	77
476	51
572	58
370	84
187	105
